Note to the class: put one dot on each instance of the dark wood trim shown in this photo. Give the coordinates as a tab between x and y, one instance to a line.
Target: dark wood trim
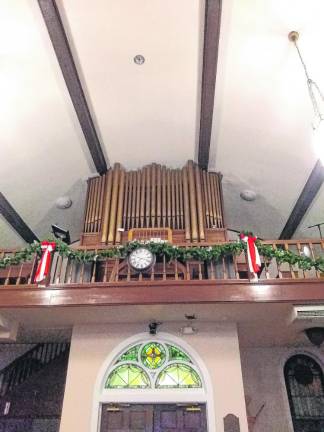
148	293
311	188
213	11
17	223
64	56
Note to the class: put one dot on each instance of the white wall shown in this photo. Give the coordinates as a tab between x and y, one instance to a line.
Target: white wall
264	382
217	346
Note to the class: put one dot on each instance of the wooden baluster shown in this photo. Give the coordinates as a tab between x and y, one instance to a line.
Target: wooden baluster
237	275
94	269
300	254
164	268
292	274
266	268
199	271
212	270
176	275
30	279
20	273
7	281
82	272
128	272
278	265
225	274
188	270
311	248
58	272
106	270
69	278
153	272
117	269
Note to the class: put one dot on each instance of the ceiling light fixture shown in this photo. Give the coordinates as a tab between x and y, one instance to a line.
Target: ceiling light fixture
63	202
139	59
317	99
248	195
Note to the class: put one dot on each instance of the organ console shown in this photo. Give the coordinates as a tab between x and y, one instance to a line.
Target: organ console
154	199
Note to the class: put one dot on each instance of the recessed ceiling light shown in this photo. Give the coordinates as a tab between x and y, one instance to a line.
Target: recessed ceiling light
248	195
139	59
63	202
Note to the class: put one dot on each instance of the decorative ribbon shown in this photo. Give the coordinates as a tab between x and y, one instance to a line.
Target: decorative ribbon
254	261
45	262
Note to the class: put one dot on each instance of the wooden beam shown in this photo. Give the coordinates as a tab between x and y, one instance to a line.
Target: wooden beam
64	56
213	10
164	292
311	188
17	223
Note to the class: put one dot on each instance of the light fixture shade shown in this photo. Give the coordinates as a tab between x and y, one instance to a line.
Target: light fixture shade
315	335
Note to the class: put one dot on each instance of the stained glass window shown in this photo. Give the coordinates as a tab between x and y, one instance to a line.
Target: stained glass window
128	376
142	365
130	355
305	388
176	353
178	375
153	355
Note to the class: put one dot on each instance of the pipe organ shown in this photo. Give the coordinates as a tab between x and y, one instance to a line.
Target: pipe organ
155	199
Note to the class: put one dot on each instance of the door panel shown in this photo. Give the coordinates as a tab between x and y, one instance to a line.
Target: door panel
153	418
132	418
173	418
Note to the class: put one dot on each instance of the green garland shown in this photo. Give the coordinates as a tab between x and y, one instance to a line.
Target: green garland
181	253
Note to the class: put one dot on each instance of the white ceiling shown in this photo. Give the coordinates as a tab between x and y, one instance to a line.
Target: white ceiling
261	129
276	328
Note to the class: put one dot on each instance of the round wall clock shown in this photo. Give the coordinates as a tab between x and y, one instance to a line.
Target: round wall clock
141	259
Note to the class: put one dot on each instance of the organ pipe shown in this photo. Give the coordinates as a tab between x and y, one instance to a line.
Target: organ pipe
188	201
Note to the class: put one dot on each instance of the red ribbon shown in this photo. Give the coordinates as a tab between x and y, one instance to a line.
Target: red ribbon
253	254
44	264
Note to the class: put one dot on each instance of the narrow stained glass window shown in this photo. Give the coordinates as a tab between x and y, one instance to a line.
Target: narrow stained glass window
153	355
178	376
177	354
130	355
128	376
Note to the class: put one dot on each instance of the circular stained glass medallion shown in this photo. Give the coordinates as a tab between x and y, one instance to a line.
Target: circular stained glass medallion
153	355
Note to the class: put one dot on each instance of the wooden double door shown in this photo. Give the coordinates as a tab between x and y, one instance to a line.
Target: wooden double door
153	418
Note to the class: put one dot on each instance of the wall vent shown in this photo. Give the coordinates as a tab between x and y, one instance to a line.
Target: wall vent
308	312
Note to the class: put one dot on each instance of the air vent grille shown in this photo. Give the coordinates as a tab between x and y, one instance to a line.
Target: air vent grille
310	313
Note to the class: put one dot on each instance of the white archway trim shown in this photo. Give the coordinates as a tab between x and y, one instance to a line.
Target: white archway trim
201	395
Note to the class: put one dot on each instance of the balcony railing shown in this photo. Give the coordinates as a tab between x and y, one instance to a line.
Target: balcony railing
65	271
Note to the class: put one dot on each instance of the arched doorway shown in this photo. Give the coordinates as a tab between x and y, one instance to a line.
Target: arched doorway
305	389
152	385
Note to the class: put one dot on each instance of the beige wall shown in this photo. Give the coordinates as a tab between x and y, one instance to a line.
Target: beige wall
264	383
217	345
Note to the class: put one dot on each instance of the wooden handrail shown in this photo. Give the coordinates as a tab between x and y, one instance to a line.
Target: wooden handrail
66	272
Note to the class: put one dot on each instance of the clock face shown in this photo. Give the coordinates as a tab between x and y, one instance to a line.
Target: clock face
141	259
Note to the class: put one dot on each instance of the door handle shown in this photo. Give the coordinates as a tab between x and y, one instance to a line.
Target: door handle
113	409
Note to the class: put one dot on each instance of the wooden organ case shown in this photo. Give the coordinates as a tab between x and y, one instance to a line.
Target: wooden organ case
179	205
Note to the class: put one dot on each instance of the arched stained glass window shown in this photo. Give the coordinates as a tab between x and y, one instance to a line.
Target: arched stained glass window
153	365
305	388
153	355
178	375
130	355
128	376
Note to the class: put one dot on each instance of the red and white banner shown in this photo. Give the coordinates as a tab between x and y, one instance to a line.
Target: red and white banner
45	263
253	256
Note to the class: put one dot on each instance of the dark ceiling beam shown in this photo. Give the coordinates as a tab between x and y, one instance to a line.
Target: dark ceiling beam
311	188
213	11
64	56
17	223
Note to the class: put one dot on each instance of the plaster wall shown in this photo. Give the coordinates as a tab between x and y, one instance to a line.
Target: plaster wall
216	345
264	383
